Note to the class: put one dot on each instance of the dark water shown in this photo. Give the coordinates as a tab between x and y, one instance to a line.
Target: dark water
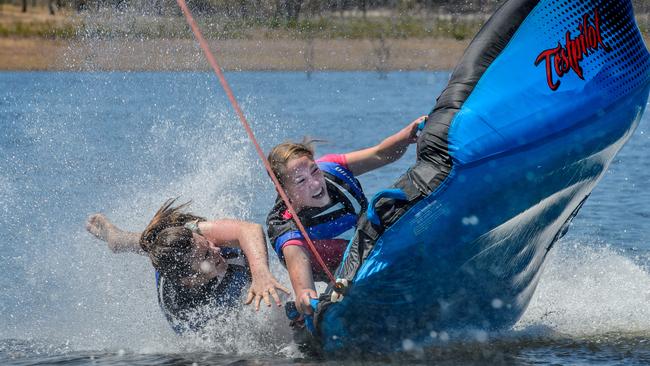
121	143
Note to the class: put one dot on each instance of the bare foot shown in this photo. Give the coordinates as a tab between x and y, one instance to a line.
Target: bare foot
117	239
100	226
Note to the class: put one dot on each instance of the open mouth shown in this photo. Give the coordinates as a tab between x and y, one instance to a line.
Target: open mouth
320	194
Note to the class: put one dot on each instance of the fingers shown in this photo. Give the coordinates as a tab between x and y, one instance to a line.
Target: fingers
258	300
306	308
268	294
253	298
249	297
305	301
415	128
265	296
418	120
280	287
275	296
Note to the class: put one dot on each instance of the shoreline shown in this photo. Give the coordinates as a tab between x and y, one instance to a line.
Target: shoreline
38	54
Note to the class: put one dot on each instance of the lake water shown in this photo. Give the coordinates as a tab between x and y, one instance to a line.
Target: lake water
121	143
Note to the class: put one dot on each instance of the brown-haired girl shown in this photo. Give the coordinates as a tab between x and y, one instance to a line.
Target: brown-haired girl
199	264
328	200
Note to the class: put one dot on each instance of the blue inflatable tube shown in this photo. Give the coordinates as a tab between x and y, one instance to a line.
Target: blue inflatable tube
544	97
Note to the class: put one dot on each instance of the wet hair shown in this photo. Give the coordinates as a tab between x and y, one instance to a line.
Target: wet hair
167	242
280	155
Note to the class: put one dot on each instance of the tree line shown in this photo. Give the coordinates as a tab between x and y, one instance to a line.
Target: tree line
287	10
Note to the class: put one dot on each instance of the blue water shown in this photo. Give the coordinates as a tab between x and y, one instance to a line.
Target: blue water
121	143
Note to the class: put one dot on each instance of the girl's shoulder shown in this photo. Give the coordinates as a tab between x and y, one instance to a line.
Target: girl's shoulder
339	159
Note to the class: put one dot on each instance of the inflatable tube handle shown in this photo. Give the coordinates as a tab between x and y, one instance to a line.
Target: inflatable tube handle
314	304
309	323
394	193
422	124
309	319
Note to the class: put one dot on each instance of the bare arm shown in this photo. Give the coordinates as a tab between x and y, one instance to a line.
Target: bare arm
118	240
300	273
386	152
239	234
250	238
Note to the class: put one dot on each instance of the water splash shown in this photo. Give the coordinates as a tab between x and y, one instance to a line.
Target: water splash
66	288
587	290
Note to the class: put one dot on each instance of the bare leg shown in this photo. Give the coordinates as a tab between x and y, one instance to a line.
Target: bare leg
117	239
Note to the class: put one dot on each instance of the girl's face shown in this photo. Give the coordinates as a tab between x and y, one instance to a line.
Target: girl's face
305	184
206	262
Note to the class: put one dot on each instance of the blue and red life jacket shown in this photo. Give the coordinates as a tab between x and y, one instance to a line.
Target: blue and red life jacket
330	227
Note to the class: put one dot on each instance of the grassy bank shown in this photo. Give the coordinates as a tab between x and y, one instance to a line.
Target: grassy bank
234	54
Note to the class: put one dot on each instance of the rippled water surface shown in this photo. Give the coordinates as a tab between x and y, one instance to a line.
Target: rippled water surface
121	143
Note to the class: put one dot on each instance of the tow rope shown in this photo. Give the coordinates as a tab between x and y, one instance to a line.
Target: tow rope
226	87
